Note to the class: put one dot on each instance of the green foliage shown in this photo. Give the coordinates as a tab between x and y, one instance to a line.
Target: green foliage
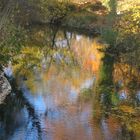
12	41
110	36
82	19
85	94
105	87
122	38
71	7
122	33
129	22
115	99
55	10
111	5
128	28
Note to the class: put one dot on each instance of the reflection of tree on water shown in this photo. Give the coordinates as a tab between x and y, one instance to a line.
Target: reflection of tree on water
27	64
13	106
112	128
45	47
38	56
117	93
106	82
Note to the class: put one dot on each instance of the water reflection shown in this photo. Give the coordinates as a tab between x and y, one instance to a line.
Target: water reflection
49	82
18	119
117	94
54	97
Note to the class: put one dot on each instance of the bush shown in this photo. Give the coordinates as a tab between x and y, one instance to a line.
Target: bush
55	11
71	7
80	19
11	42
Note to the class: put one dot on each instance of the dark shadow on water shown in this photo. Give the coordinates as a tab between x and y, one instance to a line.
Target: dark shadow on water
14	105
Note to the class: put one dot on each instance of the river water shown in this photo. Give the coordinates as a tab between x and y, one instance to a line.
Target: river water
54	92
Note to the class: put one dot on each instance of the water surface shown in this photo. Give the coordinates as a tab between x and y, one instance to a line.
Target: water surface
54	95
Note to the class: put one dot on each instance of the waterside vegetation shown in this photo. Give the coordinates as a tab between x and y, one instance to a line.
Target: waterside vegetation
116	91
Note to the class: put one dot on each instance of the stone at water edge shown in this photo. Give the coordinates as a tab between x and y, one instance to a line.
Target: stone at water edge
5	87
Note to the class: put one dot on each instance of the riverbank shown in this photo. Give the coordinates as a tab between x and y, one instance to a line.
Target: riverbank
89	17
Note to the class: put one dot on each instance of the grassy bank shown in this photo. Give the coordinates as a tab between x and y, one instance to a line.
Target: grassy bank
80	19
88	17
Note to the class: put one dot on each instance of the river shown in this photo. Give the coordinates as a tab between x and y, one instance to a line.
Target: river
54	96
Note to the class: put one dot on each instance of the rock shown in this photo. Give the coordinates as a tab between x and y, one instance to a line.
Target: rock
5	87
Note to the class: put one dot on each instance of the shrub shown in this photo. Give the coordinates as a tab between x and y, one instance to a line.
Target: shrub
80	19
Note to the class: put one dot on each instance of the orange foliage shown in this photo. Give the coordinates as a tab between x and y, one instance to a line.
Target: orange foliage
89	56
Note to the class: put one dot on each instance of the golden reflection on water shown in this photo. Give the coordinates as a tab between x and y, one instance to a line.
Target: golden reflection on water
60	75
89	55
60	84
84	50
